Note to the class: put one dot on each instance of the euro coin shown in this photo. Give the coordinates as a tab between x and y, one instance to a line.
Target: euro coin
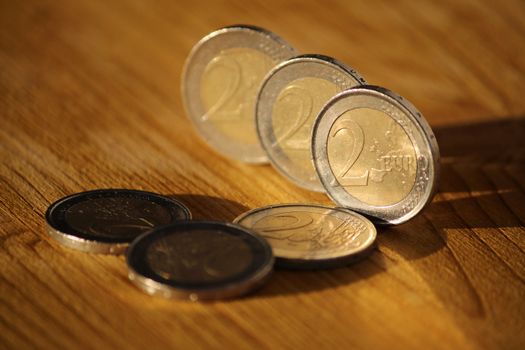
106	221
311	236
220	81
199	260
376	154
290	98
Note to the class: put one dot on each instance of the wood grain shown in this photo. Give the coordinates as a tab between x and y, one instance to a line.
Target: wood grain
89	98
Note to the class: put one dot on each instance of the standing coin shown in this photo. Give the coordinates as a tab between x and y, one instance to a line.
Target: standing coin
290	98
106	221
376	154
311	236
220	81
199	260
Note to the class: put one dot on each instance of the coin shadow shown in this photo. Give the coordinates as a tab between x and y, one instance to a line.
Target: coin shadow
469	149
203	207
291	281
480	188
410	241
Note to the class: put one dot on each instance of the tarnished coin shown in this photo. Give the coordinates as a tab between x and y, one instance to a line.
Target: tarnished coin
220	81
290	98
199	260
106	221
311	236
376	154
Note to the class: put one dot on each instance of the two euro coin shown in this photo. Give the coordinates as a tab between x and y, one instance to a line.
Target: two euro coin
375	153
107	221
311	236
289	100
199	260
220	81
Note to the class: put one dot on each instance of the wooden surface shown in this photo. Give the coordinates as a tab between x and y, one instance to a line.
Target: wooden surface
90	98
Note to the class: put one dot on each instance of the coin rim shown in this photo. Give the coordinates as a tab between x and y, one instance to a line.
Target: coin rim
72	240
312	262
259	159
304	58
379	214
232	289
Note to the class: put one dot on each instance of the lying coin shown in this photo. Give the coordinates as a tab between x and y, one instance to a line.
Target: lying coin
220	81
199	260
106	221
376	154
290	98
311	236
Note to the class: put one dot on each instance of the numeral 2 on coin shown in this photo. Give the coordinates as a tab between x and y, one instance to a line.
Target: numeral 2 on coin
358	139
300	116
231	88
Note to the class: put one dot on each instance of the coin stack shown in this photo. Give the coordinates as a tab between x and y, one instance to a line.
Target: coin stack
254	99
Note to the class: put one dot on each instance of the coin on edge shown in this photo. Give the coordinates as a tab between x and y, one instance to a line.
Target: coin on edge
376	154
220	81
310	235
199	260
106	221
290	98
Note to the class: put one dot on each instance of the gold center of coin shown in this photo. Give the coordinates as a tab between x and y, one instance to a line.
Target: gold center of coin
228	90
293	115
372	156
310	233
199	256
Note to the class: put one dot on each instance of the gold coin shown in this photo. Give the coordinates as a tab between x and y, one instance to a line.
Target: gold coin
311	236
379	169
375	154
220	81
290	98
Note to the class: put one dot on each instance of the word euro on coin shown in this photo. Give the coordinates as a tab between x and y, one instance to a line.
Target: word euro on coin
199	260
311	236
220	81
375	153
290	98
106	221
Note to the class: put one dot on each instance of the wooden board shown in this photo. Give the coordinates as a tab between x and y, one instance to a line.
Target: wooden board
90	98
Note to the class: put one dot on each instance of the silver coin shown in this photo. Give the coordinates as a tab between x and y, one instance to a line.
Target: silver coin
376	154
220	81
311	236
290	98
106	221
199	260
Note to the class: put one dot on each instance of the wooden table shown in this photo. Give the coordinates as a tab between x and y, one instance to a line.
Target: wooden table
90	98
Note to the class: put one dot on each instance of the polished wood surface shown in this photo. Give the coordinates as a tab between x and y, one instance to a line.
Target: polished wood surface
90	98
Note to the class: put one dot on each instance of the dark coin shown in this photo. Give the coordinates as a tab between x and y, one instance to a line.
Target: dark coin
199	260
106	221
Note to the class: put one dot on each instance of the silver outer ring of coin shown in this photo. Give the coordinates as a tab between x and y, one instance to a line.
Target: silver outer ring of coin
97	247
425	146
156	288
321	263
86	245
320	67
200	55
